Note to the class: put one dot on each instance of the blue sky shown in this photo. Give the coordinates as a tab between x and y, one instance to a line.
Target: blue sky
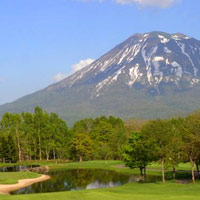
43	40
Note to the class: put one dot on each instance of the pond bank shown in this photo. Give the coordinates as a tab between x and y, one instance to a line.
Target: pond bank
7	188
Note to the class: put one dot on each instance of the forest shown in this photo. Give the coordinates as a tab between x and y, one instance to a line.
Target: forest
45	136
40	135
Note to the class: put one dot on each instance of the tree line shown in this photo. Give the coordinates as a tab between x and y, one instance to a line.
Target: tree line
32	136
41	135
169	142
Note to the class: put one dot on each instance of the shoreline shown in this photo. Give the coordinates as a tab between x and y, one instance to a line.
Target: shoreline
7	188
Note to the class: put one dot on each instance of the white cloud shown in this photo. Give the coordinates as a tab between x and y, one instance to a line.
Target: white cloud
81	64
144	3
59	77
78	66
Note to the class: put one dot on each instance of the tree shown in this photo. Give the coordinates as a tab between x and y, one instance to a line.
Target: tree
30	136
16	126
40	119
158	132
118	139
135	124
109	136
81	146
138	152
11	123
35	135
192	140
175	152
8	150
83	126
59	136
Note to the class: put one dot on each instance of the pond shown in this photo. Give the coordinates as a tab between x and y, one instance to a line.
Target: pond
78	179
17	168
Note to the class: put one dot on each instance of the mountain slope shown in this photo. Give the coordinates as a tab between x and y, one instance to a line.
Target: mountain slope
148	75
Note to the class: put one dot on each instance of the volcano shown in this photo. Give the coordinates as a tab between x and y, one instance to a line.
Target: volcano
150	75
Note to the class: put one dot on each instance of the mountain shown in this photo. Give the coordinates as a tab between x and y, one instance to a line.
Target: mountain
147	76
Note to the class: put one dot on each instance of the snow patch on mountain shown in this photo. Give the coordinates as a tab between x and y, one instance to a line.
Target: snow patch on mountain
163	39
158	58
182	47
175	64
166	50
134	74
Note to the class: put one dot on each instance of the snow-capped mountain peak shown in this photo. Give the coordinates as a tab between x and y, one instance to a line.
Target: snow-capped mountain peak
150	75
148	60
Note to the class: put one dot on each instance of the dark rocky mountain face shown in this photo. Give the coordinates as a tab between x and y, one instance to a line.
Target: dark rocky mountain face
148	75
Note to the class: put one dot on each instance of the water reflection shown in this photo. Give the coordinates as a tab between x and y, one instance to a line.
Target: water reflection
81	179
17	168
78	179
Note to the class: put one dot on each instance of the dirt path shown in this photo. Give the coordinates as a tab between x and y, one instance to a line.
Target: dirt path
6	189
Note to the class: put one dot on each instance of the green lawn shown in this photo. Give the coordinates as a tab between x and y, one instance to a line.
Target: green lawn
131	191
13	177
92	164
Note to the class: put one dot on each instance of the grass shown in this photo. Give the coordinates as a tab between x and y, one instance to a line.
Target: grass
13	177
92	164
130	191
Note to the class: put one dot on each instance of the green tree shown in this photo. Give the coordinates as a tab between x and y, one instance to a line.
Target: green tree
59	137
158	132
138	152
175	153
81	147
40	119
30	136
35	135
108	134
11	123
8	150
192	140
118	139
83	126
